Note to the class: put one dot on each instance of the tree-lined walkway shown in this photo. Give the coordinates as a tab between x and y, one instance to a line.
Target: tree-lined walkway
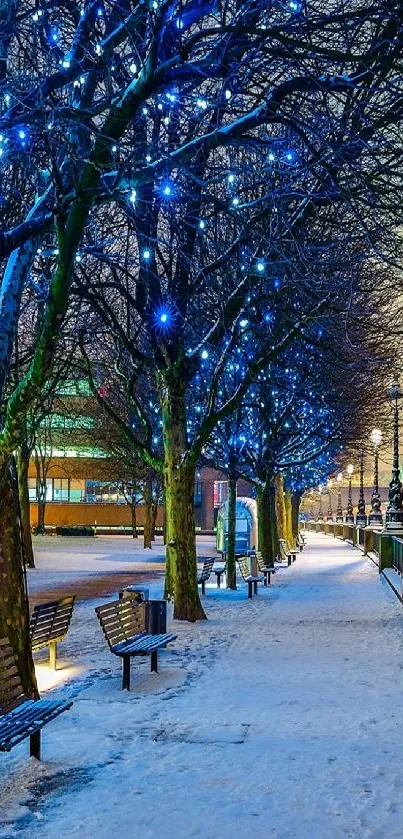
285	722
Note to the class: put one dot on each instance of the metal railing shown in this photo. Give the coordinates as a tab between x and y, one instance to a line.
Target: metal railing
397	554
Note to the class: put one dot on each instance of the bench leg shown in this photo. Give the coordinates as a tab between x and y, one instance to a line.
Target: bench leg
289	559
255	587
35	745
218	580
203	585
154	661
53	655
126	672
249	590
267	578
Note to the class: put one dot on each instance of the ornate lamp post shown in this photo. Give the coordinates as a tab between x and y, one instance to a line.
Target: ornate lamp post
320	511
375	516
350	511
394	512
339	511
330	511
361	517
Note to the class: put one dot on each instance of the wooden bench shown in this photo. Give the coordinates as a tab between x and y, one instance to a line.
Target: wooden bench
264	569
21	717
287	554
205	573
247	576
49	624
123	624
300	541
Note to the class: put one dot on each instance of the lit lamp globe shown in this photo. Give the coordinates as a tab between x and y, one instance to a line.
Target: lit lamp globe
376	437
350	510
339	511
375	516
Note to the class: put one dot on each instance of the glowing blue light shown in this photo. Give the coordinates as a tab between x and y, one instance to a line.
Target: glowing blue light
146	254
164	317
277	284
167	190
235	202
271	157
204	354
201	103
22	134
202	224
231	179
260	266
179	23
290	156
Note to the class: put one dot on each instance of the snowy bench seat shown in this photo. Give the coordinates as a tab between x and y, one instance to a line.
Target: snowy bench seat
21	717
247	576
123	623
49	624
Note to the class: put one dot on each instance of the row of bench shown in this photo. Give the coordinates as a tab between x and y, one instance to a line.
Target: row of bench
125	625
287	554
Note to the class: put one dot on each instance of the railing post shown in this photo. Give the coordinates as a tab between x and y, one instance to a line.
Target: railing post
385	551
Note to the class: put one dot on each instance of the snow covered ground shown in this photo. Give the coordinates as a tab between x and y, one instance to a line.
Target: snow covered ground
279	717
61	559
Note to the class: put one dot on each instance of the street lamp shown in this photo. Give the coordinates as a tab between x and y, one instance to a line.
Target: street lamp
394	512
375	516
330	511
361	517
350	512
339	511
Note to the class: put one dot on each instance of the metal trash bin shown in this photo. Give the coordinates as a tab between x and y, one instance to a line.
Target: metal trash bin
139	594
156	617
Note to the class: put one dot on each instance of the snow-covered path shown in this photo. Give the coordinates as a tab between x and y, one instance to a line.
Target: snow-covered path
279	717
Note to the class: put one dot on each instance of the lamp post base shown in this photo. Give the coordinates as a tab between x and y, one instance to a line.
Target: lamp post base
375	520
361	520
394	520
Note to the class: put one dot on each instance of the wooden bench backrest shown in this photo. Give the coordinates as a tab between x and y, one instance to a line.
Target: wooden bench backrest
11	692
206	570
283	547
50	621
244	566
121	620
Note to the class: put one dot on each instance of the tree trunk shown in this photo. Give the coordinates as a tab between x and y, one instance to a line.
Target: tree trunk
133	512
280	507
41	506
295	505
265	541
147	514
179	475
22	461
288	517
273	521
14	610
231	566
154	514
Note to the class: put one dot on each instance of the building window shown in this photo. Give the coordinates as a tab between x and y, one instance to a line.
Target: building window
220	492
97	492
61	489
33	495
198	494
